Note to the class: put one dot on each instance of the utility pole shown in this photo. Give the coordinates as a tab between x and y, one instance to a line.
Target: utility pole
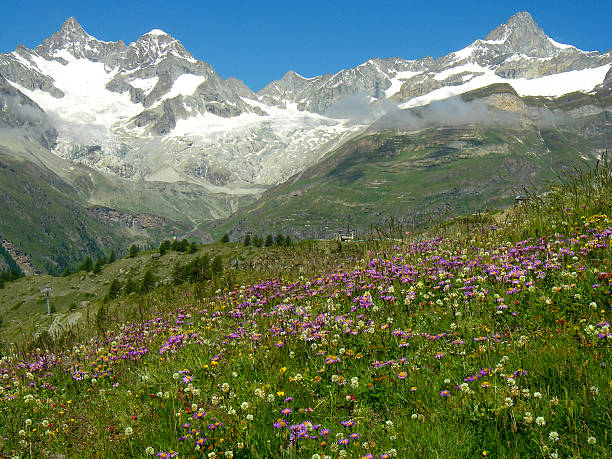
46	290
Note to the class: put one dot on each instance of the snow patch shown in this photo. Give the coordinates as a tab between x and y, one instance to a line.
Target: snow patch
459	69
398	80
547	86
185	85
559	45
156	32
146	84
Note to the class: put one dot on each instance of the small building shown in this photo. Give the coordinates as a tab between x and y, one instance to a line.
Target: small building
345	237
520	198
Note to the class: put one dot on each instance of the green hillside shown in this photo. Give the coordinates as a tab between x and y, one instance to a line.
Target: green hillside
477	338
423	165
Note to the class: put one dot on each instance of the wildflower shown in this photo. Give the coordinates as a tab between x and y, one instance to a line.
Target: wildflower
553	436
229	454
508	402
402	375
447	381
244	406
591	440
286	411
540	421
414	416
528	418
128	431
537	395
444	393
149	451
225	387
249	417
28	422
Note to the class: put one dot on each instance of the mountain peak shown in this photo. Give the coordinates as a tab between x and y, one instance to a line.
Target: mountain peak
156	32
70	25
522	35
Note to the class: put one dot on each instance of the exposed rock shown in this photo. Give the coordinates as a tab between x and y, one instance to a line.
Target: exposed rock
22	259
19	111
137	222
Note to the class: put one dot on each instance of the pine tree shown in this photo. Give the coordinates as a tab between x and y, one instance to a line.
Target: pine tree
183	245
133	251
148	281
98	266
87	264
288	241
217	265
112	257
269	241
130	286
225	238
199	268
280	239
66	272
193	248
247	240
113	290
178	274
257	241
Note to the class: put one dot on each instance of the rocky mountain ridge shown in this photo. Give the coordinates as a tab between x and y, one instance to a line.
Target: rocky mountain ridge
162	115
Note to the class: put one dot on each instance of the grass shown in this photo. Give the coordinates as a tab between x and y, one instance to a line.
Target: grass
485	337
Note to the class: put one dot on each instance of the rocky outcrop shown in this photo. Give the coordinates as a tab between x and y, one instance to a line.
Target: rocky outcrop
137	222
22	259
19	112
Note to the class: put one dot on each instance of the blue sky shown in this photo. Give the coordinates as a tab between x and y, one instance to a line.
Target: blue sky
258	41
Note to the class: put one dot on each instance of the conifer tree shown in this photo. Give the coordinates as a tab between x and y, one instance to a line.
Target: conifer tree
133	251
225	238
217	265
247	240
113	290
87	264
148	281
269	241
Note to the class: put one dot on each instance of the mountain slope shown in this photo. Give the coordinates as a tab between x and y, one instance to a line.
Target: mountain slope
421	165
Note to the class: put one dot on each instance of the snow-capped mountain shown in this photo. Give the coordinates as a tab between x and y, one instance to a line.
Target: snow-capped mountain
150	110
518	53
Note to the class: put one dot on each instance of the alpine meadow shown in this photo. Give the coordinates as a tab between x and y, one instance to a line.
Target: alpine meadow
403	259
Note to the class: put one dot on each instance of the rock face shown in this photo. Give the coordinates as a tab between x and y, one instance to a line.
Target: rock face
137	222
21	113
22	259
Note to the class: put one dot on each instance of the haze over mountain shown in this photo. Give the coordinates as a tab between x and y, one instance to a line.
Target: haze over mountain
148	116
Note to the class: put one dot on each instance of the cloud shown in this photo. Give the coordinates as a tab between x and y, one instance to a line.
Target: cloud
361	108
451	111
